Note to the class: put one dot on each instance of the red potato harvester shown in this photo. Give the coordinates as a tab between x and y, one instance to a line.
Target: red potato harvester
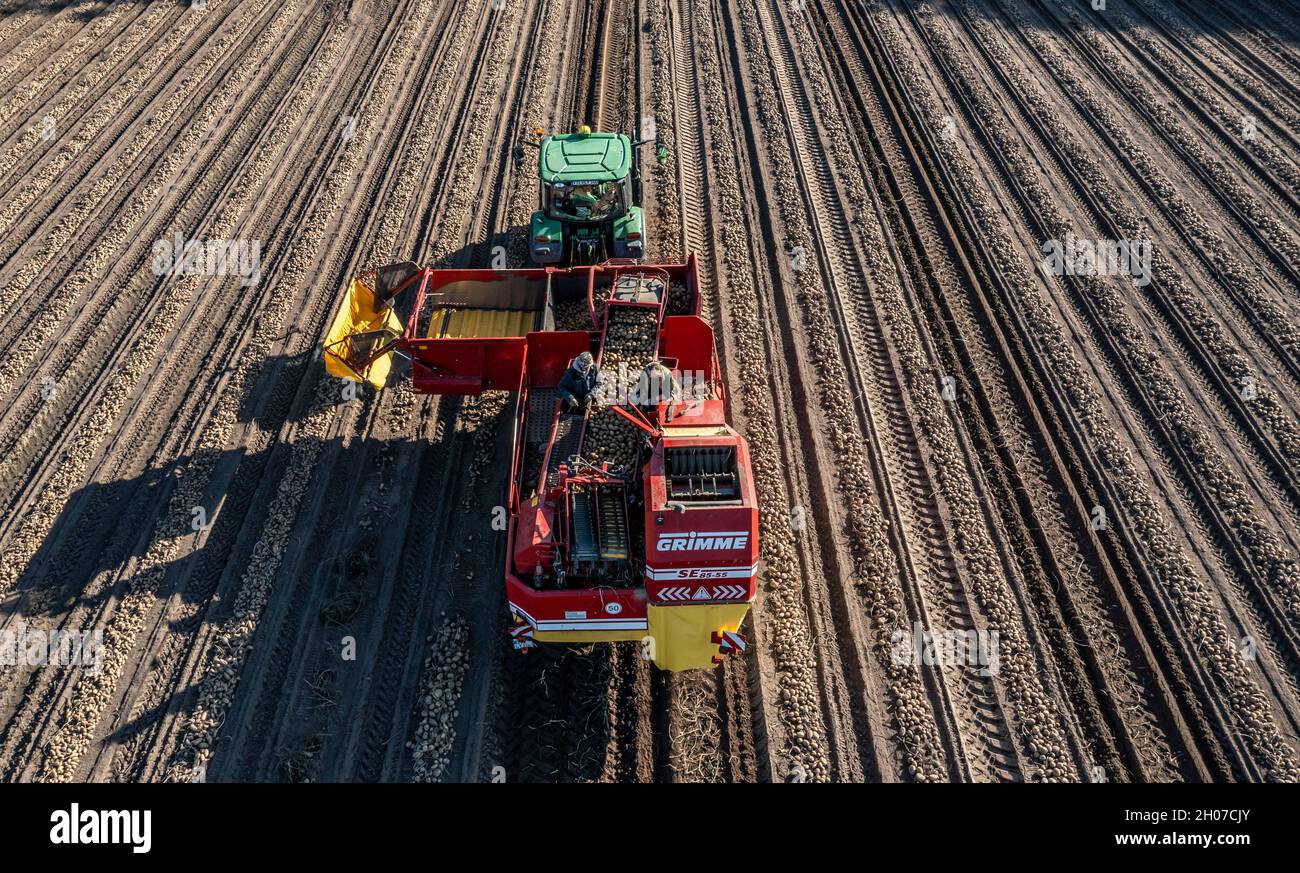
651	538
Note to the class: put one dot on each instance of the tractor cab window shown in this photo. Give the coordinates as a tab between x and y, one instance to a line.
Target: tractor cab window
595	202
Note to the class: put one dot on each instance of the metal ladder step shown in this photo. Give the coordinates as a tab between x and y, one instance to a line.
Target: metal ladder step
541	412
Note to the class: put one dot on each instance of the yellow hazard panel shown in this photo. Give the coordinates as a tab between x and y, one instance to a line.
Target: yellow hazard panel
682	635
357	333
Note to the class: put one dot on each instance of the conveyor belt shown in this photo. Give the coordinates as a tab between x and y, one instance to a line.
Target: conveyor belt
455	322
566	444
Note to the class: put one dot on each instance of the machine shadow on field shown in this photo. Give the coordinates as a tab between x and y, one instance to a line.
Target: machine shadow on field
280	372
391	535
1199	17
338	577
99	526
384	545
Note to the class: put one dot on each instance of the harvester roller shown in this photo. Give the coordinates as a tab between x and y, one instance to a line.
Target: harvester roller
585	549
613	526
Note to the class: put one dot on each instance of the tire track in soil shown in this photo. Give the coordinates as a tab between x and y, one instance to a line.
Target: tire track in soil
1031	527
95	131
1258	547
791	732
111	322
234	474
75	546
958	480
87	698
93	530
317	421
1159	550
263	390
65	65
38	45
1085	186
268	409
981	745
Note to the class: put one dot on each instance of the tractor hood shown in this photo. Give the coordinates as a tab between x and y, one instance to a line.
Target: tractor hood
578	157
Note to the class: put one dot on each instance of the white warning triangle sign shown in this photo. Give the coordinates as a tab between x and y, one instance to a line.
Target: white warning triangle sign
701	593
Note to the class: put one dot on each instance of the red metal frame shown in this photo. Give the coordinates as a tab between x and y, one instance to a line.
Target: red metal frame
538	359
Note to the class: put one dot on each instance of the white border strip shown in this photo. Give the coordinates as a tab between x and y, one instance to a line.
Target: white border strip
592	624
598	623
674	573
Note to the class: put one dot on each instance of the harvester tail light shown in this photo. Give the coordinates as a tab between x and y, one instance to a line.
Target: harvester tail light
521	636
541	239
728	642
635	234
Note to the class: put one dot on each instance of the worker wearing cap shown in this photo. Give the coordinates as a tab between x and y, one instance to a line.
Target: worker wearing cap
579	381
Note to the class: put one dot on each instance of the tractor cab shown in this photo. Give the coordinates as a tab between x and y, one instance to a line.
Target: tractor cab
589	188
586	201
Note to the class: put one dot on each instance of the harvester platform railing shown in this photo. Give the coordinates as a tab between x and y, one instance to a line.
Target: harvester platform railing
623	266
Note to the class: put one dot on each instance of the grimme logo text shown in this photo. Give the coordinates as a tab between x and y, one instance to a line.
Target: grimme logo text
704	542
77	826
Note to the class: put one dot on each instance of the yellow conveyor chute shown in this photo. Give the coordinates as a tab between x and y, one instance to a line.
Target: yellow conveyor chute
355	342
683	634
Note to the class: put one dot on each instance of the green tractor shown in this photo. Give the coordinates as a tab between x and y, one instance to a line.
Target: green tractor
590	191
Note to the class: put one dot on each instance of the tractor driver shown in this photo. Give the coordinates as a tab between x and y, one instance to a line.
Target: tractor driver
582	198
579	381
596	200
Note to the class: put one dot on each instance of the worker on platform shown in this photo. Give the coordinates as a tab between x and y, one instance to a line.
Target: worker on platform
657	384
579	381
